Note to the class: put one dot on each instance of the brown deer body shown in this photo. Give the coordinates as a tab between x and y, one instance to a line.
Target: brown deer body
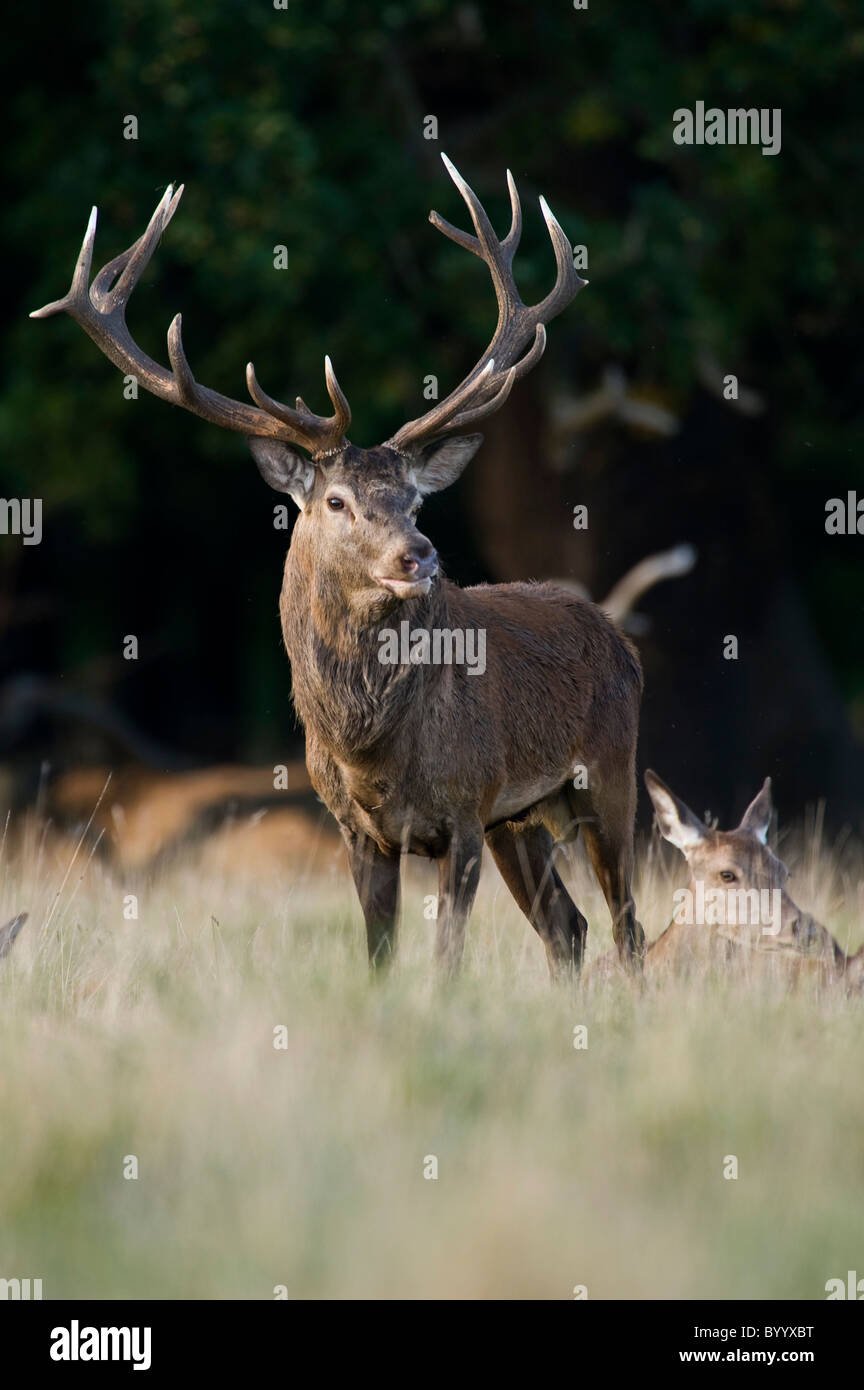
431	759
776	940
413	755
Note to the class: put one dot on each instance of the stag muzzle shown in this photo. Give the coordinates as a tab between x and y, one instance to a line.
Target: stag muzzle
410	573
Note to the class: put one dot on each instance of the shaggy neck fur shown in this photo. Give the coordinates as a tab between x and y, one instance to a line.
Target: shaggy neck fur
342	690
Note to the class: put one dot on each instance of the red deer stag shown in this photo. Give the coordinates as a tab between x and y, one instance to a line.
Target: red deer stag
412	755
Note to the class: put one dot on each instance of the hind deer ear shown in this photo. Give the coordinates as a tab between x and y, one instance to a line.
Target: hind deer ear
284	468
677	822
441	463
757	817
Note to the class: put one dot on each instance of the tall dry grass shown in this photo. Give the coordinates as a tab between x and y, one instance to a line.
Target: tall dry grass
303	1167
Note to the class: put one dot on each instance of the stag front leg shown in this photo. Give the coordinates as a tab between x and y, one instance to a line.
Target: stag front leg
376	878
458	876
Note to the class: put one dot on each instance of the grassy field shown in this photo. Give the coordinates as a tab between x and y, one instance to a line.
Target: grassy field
303	1166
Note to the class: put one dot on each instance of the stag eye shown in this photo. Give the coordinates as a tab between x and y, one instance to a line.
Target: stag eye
335	504
727	876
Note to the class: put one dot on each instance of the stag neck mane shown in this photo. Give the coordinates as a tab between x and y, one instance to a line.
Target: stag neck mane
354	702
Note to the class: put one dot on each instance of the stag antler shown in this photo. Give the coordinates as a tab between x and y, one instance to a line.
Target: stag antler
100	309
489	383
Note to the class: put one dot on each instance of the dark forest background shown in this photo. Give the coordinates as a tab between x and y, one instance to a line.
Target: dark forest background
304	126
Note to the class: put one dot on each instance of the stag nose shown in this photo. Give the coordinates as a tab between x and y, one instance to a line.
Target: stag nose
420	560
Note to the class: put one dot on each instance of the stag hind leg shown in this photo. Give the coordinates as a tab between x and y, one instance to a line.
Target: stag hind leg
524	856
376	878
608	832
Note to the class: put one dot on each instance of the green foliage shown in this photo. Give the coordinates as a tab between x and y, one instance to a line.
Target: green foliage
303	127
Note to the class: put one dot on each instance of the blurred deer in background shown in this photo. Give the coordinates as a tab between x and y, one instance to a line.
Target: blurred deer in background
732	874
614	399
412	756
144	804
141	818
622	598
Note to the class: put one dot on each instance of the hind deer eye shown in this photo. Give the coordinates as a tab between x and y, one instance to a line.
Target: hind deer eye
335	504
727	876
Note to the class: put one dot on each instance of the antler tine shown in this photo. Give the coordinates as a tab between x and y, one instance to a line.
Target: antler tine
302	420
341	407
186	382
133	262
532	357
568	281
514	236
100	309
482	391
467	391
485	243
80	275
469	417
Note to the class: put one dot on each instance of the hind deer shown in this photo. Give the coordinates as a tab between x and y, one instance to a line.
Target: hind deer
730	872
429	759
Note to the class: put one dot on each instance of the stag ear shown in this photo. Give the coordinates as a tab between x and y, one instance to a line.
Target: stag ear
283	468
441	463
757	817
677	822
